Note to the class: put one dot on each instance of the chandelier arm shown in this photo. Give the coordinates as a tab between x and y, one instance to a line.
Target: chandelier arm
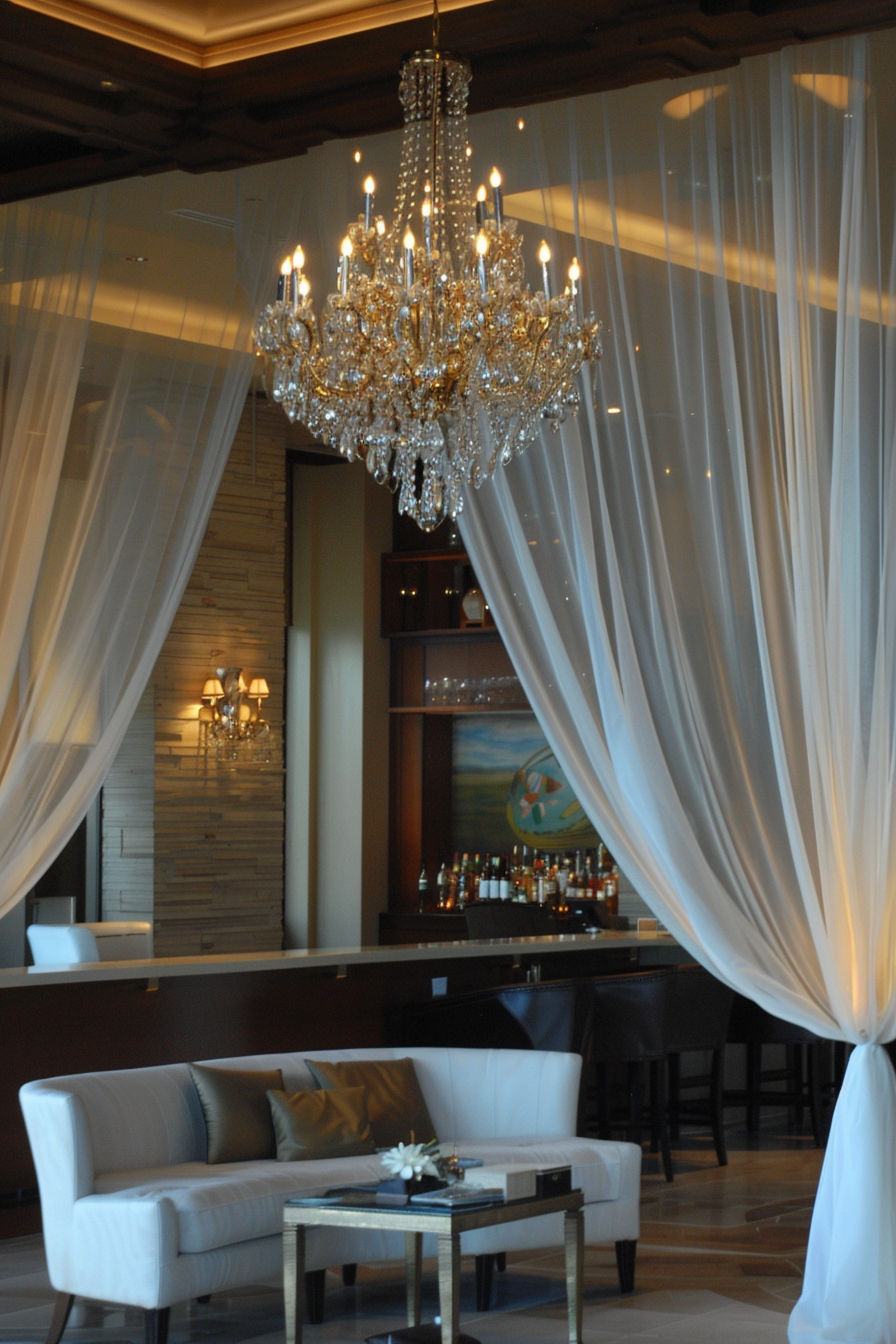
328	391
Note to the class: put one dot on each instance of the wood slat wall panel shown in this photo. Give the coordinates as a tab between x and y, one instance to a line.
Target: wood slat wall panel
219	830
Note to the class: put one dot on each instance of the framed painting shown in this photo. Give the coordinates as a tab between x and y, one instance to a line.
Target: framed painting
507	788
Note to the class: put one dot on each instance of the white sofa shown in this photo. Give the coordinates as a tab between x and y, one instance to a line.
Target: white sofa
133	1214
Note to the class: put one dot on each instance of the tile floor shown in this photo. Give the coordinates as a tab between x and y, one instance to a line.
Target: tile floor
720	1258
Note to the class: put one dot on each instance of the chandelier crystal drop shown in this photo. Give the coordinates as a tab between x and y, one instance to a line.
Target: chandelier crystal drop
433	361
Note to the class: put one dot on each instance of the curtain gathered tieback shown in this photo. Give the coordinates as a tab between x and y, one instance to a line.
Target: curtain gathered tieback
849	1290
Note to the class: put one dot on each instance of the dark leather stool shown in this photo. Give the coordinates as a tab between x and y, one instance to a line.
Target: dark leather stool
754	1027
630	1027
701	1010
549	1015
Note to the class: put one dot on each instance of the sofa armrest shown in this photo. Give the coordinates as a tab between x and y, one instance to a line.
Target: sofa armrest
124	1248
60	1145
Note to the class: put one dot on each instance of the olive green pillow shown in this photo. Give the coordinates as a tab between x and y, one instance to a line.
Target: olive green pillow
321	1124
237	1114
395	1103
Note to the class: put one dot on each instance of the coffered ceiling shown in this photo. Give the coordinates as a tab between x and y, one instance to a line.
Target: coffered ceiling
114	88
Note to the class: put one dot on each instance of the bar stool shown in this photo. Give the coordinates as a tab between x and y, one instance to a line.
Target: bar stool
547	1015
699	1022
630	1027
754	1027
651	1018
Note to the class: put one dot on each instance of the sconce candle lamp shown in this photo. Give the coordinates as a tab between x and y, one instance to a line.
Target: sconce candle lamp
232	730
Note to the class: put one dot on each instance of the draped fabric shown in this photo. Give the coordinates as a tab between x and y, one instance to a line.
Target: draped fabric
122	384
696	581
695	577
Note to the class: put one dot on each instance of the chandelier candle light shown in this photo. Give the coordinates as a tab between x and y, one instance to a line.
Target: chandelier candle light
433	361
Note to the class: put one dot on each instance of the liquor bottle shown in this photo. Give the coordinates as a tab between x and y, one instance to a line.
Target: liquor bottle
453	880
485	880
475	879
526	887
538	881
422	890
550	884
442	884
463	880
563	879
505	890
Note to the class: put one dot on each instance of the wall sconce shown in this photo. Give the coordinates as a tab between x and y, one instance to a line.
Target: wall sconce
230	729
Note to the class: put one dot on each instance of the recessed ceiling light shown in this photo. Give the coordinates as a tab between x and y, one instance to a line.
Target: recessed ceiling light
136	258
111	86
614	410
521	125
357	156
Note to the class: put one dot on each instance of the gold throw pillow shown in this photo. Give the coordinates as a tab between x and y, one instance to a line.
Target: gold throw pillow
237	1115
395	1103
321	1124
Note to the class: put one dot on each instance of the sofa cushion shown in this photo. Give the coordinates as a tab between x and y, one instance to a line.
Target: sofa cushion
222	1205
395	1102
320	1124
237	1113
239	1201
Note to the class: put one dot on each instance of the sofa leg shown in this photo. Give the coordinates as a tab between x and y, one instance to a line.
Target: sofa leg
625	1264
315	1281
349	1274
61	1311
501	1261
484	1266
155	1325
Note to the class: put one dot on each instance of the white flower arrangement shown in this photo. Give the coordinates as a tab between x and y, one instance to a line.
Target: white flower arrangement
410	1161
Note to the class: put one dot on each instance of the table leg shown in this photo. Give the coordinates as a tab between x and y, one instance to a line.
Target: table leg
413	1247
574	1237
294	1281
449	1286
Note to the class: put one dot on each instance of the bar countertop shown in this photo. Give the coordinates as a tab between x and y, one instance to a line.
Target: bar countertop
158	968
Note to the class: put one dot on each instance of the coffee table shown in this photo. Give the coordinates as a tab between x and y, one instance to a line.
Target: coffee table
447	1226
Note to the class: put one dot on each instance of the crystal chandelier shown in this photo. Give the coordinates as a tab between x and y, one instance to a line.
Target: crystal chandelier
433	361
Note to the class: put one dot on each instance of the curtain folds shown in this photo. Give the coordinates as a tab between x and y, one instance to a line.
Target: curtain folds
125	347
695	579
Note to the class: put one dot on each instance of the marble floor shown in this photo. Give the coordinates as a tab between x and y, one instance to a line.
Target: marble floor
720	1259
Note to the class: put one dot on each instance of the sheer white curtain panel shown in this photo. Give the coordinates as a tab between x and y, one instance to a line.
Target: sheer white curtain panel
125	348
696	580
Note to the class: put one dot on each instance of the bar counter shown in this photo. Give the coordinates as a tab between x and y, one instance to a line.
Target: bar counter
300	959
128	1014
